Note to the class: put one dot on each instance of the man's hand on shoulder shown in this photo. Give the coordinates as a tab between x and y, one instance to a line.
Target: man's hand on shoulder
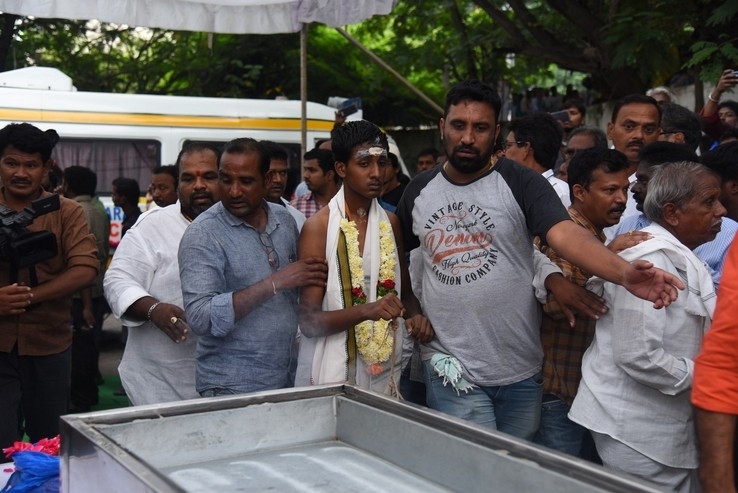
311	271
14	299
650	283
627	240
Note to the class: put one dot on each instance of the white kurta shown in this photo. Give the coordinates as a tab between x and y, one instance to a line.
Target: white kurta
637	373
154	368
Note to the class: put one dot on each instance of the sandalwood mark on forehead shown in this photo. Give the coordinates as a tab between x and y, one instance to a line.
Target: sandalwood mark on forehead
371	151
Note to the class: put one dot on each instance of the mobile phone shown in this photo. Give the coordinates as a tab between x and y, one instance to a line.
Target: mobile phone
349	107
562	116
348	110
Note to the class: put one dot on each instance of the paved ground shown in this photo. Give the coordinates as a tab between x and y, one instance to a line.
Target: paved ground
111	348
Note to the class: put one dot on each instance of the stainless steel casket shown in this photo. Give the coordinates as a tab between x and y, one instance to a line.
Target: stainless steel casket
328	439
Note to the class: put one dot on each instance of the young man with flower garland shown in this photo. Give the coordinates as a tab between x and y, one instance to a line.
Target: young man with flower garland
350	327
474	219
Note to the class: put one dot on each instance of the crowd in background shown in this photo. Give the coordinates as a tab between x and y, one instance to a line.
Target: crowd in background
563	284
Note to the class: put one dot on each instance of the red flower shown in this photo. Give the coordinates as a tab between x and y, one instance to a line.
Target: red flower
388	284
358	297
374	369
48	446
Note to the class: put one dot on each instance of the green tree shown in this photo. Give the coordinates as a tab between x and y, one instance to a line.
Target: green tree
623	46
109	58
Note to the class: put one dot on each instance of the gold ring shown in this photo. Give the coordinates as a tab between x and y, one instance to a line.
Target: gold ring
173	320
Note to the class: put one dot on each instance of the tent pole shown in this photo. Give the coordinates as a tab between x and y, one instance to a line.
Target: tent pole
303	92
391	71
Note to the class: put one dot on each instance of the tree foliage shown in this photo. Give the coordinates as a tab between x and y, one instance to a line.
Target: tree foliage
623	46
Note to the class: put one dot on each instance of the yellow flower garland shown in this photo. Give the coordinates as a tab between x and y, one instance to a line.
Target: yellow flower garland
374	340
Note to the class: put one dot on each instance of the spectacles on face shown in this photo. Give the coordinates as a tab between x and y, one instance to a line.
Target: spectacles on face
569	153
507	144
668	131
271	252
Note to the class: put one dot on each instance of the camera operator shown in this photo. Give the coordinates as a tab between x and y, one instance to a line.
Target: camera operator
35	331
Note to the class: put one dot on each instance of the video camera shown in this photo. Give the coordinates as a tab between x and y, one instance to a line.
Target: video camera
23	248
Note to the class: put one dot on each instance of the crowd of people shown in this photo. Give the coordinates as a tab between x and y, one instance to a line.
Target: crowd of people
532	280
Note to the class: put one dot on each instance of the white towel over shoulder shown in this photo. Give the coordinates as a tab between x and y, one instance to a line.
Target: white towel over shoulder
324	360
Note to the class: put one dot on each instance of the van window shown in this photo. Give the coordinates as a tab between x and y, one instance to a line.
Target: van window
110	159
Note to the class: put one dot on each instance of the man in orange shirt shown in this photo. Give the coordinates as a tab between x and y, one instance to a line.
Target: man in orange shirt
715	387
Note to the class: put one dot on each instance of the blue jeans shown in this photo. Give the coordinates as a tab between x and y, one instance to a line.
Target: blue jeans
217	392
411	390
514	409
556	430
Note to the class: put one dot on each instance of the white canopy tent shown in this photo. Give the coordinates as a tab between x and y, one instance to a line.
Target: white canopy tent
213	16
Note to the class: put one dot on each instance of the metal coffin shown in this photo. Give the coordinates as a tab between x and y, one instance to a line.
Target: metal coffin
327	439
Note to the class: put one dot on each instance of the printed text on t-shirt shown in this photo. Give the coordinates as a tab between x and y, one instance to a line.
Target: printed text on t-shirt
460	243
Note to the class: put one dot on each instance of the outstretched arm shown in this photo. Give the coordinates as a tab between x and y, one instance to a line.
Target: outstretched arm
641	278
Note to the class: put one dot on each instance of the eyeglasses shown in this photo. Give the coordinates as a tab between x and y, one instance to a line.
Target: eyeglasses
669	131
271	252
508	145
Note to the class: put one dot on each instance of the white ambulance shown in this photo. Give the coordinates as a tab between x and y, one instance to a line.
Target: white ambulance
130	134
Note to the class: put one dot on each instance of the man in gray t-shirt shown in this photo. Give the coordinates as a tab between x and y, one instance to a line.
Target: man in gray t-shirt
474	219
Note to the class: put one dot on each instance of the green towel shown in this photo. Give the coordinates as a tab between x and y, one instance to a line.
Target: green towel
451	370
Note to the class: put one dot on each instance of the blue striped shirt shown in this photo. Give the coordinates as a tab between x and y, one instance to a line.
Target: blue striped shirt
220	254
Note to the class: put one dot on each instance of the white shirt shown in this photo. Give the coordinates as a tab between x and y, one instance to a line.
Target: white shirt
154	368
298	216
637	373
561	187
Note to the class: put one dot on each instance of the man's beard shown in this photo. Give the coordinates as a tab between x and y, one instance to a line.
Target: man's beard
469	165
192	210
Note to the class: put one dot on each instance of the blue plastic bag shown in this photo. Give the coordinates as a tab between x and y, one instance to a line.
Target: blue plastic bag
36	472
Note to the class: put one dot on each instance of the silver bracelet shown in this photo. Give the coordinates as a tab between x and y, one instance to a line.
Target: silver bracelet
151	310
709	96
